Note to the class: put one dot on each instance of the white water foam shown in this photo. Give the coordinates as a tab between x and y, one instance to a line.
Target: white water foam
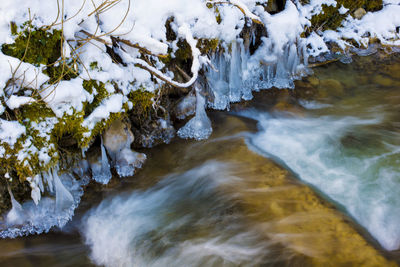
182	221
349	163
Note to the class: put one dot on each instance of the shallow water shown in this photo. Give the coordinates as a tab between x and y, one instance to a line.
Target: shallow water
292	178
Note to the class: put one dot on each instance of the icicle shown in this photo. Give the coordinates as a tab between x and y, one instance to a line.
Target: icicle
48	177
235	79
101	173
244	56
36	185
82	169
64	199
217	81
199	127
16	215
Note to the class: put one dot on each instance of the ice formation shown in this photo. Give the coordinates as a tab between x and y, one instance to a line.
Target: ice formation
199	127
117	141
16	216
128	161
54	209
101	171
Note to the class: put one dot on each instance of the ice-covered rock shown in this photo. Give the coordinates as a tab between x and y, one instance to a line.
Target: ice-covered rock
186	106
117	141
127	161
199	127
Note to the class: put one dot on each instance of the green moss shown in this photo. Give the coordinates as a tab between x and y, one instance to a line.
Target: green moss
38	46
142	102
36	112
207	46
93	86
13	28
60	72
70	126
330	18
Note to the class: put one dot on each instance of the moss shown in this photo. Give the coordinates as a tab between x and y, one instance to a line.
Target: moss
70	126
330	18
13	28
60	72
35	112
94	66
207	46
142	103
38	46
101	93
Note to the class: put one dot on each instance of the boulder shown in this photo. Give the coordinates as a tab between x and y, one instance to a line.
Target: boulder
359	13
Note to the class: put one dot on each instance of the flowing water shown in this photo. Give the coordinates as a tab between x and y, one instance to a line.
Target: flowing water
304	177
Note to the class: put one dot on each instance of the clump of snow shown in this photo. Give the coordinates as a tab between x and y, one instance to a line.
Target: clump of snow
17	101
10	131
65	96
112	104
342	10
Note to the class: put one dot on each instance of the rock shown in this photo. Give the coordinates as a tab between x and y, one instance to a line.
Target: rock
185	107
359	13
314	81
383	80
117	137
284	106
157	132
117	140
331	87
393	70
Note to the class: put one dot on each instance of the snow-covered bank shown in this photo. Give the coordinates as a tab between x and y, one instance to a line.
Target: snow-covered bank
69	69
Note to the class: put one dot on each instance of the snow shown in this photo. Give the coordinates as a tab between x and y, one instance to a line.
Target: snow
343	10
17	101
66	96
112	104
10	131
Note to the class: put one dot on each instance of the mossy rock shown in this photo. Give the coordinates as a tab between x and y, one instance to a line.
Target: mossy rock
331	19
35	46
38	46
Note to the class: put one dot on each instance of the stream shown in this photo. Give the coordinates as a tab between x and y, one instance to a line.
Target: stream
303	177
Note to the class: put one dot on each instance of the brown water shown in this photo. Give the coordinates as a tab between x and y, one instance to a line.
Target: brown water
218	203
